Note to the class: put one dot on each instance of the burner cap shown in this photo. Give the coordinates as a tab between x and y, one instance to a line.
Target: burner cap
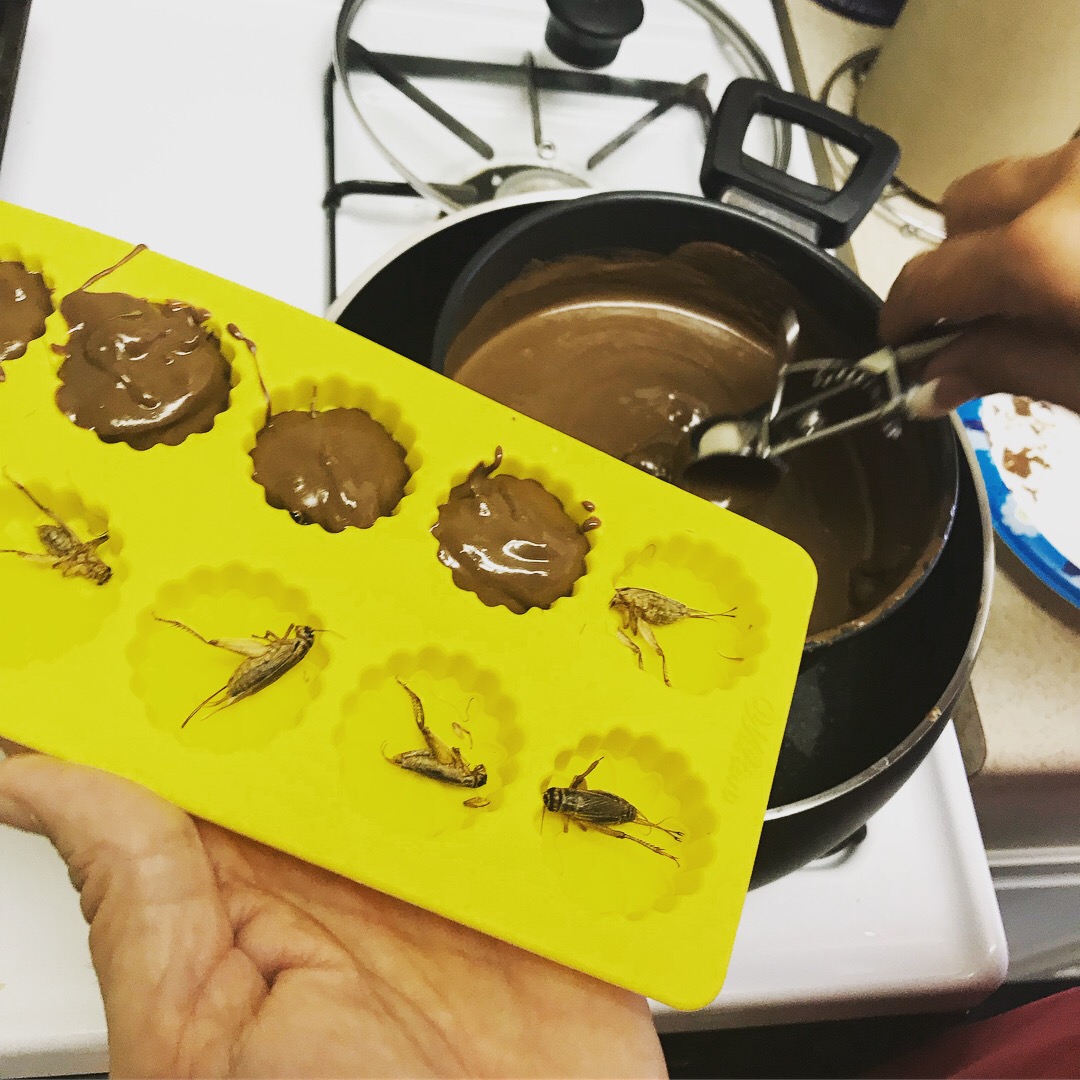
588	33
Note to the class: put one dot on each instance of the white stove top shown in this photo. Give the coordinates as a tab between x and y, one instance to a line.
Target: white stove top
203	137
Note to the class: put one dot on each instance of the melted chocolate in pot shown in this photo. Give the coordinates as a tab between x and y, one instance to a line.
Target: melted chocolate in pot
25	303
140	372
630	352
335	468
509	540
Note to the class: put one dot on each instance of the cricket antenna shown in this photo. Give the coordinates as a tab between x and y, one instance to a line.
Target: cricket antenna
116	266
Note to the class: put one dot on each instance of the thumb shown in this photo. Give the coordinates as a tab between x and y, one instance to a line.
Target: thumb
1013	358
146	887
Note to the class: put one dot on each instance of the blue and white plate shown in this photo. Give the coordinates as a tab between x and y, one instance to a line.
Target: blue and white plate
1029	454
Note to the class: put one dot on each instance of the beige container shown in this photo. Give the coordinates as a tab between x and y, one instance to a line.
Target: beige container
960	83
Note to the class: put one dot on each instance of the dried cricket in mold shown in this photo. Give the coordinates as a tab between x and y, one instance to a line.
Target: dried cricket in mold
439	761
266	658
641	609
601	811
64	551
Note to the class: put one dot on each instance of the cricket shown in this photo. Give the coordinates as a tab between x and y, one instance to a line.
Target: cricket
438	761
601	811
266	658
642	609
64	551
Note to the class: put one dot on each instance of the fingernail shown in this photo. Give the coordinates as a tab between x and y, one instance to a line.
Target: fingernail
18	816
922	401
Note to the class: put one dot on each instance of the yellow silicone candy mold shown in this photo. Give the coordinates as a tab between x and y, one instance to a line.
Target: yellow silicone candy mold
86	672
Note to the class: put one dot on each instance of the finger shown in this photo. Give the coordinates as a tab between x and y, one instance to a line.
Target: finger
146	888
966	278
998	193
1003	359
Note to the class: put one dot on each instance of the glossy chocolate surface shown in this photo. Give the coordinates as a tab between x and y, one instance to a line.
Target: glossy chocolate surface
335	468
509	540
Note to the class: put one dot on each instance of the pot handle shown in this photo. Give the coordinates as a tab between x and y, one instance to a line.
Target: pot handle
824	216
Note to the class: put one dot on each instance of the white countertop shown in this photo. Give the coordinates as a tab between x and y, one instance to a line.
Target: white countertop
1027	677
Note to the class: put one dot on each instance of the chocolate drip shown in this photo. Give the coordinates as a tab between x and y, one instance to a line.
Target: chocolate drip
508	540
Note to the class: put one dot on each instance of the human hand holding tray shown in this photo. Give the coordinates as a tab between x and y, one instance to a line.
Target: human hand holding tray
89	674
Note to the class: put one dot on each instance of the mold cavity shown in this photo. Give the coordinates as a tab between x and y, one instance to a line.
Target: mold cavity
618	876
139	371
666	590
464	706
510	539
333	454
50	613
25	304
173	671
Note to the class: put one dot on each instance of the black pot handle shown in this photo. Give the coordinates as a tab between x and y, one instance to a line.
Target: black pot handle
825	216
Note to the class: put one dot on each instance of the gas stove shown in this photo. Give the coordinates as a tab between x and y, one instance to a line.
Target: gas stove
225	139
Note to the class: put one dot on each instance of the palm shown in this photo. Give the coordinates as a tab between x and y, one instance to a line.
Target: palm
218	956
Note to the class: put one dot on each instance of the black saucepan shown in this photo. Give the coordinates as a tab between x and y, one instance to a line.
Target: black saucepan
867	706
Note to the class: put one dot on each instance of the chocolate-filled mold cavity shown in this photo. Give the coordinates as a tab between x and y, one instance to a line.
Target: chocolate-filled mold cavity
464	706
618	876
173	671
333	454
696	603
25	305
47	613
140	371
514	535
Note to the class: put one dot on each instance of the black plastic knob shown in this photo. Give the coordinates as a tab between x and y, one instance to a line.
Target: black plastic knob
588	33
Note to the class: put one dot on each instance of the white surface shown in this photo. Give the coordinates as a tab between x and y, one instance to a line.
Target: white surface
195	128
236	86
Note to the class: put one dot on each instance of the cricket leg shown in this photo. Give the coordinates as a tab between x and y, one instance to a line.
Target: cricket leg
94	544
241	646
436	747
620	835
41	506
650	640
35	555
675	834
632	646
578	783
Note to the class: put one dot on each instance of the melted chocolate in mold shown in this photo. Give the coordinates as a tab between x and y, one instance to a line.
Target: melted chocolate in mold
509	540
25	303
335	468
139	372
